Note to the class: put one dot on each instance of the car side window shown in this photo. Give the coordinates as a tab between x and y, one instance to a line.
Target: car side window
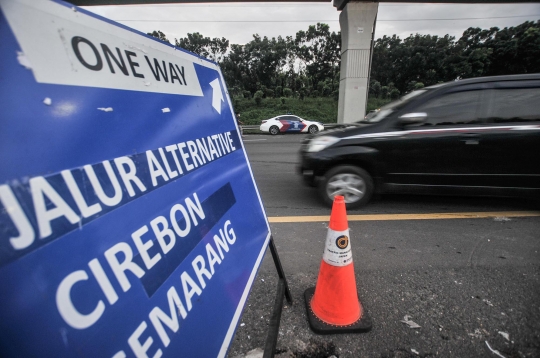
514	105
452	108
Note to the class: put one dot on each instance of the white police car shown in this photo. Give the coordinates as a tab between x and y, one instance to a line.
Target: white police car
290	124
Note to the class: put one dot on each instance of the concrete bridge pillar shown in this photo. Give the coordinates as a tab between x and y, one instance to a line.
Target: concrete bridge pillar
357	21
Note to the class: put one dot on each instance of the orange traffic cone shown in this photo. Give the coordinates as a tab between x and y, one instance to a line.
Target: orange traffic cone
332	305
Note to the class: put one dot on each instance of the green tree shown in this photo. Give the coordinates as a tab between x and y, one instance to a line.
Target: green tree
394	93
384	92
258	97
418	58
514	50
319	50
307	64
213	49
159	35
269	93
259	61
479	52
475	51
375	88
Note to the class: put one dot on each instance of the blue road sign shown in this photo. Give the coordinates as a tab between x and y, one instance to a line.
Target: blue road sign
130	223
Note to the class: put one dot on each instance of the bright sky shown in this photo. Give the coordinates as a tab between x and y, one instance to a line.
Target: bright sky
237	22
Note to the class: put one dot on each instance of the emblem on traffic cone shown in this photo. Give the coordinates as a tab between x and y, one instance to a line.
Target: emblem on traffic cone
333	305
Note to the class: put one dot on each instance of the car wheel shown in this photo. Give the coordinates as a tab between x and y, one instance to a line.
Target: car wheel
313	129
274	130
353	183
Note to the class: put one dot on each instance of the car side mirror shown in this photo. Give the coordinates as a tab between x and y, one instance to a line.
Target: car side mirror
413	118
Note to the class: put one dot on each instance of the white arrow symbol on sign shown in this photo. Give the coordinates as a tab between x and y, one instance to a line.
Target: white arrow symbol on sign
217	97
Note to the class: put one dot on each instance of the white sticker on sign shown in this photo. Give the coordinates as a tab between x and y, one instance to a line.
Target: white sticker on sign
337	251
72	48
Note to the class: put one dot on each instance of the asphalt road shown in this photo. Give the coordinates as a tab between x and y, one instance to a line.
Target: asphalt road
468	282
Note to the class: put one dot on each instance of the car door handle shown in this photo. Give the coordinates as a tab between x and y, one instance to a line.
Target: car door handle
470	138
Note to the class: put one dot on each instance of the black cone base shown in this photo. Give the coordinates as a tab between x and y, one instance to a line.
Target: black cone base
320	327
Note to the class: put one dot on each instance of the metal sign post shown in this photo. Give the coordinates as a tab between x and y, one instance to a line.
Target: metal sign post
130	223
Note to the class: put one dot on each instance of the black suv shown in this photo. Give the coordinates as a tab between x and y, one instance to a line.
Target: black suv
474	137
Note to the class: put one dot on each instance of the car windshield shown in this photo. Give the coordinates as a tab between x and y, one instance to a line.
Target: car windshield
390	107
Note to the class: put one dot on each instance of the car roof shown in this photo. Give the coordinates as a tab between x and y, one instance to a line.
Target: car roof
529	76
286	115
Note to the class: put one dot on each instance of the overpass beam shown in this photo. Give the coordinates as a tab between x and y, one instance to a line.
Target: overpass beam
357	21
